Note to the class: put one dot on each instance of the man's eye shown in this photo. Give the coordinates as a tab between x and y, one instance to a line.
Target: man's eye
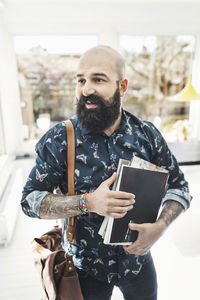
81	81
98	79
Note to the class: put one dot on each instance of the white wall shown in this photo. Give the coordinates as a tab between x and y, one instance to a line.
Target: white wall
75	17
9	91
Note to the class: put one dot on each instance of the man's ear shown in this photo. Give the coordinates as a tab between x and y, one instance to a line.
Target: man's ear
123	84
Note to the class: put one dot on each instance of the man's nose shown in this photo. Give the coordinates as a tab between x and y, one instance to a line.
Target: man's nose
88	89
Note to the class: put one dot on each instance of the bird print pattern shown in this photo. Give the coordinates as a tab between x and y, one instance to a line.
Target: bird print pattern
97	157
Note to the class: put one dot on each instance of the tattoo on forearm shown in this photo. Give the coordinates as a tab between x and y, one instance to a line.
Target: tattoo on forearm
171	211
58	206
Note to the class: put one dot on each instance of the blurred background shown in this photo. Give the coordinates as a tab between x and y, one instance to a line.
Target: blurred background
40	44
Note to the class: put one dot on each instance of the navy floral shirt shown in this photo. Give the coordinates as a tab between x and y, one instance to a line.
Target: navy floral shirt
97	157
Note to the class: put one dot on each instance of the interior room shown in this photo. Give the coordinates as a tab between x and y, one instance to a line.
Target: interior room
41	42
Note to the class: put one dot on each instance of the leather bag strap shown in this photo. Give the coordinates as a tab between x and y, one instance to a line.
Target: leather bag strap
70	156
71	221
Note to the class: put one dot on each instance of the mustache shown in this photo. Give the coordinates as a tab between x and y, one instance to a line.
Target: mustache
94	99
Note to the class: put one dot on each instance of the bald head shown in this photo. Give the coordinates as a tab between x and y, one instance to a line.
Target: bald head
107	55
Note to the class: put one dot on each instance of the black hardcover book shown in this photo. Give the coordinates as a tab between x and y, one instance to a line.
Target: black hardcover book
149	188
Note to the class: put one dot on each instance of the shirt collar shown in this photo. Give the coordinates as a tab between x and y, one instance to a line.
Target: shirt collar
84	131
124	122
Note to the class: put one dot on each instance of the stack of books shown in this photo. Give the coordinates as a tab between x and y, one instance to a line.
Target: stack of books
148	183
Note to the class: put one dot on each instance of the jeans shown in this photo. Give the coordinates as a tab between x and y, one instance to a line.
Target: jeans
142	287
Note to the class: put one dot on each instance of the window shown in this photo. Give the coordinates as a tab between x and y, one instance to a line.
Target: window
157	68
47	66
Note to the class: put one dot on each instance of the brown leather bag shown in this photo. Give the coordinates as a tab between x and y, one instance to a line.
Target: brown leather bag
55	266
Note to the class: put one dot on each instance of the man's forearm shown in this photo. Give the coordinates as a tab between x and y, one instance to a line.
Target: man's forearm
58	206
172	209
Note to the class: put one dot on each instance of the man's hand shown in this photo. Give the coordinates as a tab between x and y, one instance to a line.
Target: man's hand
105	202
148	234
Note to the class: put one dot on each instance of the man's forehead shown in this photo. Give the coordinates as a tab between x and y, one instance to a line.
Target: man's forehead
89	70
91	64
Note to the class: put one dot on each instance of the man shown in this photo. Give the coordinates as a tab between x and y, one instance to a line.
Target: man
104	134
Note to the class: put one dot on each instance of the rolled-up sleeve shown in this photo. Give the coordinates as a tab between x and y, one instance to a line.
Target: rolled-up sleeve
178	189
34	200
49	171
184	198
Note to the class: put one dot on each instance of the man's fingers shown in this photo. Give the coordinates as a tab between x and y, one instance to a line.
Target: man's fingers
117	215
137	248
121	209
134	226
110	180
120	203
137	251
121	195
133	248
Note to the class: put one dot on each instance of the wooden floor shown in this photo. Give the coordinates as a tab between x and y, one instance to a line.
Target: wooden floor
176	255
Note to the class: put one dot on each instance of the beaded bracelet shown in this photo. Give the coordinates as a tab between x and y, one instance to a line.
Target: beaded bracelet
82	204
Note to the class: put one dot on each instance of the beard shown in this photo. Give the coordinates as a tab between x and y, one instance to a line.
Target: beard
99	118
